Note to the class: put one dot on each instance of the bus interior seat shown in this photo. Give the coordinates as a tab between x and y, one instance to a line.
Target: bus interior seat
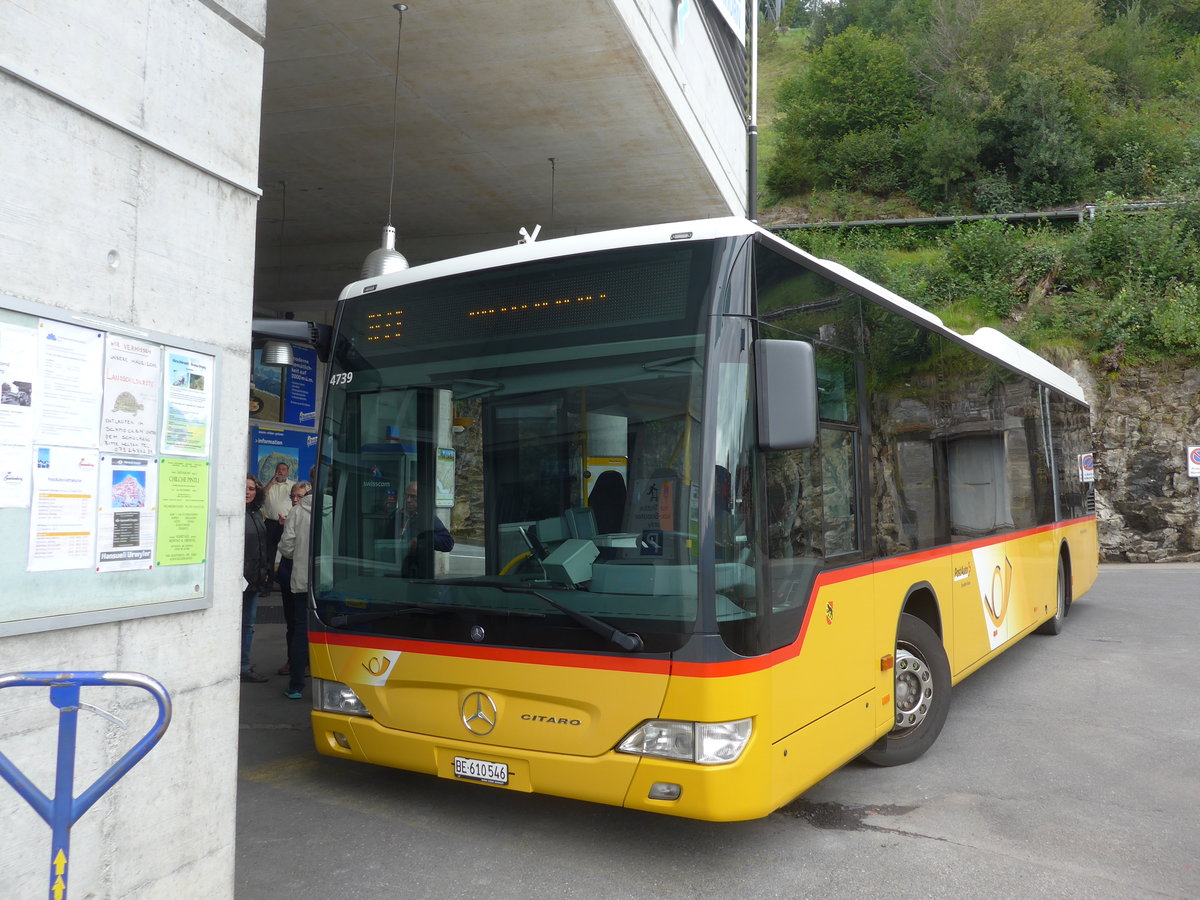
607	502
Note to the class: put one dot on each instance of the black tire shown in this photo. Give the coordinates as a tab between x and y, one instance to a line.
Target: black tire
1055	625
921	697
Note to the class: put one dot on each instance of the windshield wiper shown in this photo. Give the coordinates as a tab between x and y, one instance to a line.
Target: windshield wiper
626	640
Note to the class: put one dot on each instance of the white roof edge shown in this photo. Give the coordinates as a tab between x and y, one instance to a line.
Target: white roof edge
988	341
643	235
1001	347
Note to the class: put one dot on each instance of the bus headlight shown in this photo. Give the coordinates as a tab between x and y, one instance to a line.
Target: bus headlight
707	743
335	697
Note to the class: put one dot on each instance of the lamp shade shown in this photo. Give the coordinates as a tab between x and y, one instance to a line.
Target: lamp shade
277	353
386	258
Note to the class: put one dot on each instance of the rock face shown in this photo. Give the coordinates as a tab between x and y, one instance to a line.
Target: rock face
1143	421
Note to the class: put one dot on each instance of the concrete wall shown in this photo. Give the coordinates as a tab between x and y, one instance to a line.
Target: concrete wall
128	173
675	45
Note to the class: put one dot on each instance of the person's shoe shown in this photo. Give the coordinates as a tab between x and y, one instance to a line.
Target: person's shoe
293	695
283	670
253	677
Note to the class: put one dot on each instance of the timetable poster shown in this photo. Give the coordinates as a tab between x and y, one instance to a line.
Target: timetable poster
188	426
127	512
132	385
70	370
62	523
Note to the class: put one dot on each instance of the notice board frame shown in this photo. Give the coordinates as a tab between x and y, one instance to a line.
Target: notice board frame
84	596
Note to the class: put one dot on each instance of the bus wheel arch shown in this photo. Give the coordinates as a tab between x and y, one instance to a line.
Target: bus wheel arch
921	698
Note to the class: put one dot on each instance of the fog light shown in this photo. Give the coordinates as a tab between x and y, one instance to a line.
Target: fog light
664	790
341	740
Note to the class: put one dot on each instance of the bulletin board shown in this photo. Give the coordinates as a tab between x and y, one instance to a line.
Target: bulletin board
107	477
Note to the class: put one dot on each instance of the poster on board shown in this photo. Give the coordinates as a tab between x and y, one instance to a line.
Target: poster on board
18	384
187	428
132	385
181	535
62	522
70	368
127	506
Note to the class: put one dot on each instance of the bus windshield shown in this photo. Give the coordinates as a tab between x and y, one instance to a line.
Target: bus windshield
511	453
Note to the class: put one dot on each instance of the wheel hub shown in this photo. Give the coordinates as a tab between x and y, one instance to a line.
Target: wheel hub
914	690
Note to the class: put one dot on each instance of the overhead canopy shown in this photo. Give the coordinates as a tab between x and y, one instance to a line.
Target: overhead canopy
624	95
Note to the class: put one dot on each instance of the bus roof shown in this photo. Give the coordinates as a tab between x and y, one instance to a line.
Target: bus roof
986	341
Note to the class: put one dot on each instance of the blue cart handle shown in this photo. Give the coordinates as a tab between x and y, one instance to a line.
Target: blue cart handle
64	694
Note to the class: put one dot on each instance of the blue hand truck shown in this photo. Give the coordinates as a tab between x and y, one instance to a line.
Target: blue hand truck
64	810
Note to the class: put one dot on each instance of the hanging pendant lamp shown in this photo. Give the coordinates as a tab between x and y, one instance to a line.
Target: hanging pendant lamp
386	258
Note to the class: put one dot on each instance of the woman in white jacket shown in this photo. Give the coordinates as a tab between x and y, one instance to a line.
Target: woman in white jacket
296	542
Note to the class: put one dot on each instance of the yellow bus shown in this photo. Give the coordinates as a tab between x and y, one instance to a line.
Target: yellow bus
676	518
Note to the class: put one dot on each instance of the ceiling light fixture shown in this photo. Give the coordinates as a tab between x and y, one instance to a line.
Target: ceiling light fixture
277	353
387	258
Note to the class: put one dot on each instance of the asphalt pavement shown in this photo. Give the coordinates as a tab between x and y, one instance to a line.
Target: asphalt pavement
1069	767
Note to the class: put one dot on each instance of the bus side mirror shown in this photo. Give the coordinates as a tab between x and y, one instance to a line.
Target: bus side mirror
787	394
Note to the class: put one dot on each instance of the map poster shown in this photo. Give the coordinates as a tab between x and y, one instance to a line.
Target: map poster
62	523
187	429
181	537
132	384
125	525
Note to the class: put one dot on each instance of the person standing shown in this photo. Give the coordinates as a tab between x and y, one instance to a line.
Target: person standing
283	577
256	572
295	543
277	503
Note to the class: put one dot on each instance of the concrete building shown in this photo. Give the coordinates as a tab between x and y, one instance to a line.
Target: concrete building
170	169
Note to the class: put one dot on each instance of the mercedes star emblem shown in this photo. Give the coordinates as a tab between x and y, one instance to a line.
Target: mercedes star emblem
479	713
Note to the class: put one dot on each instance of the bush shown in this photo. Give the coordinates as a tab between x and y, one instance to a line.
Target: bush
792	170
865	160
1139	151
993	193
1154	247
985	249
1176	319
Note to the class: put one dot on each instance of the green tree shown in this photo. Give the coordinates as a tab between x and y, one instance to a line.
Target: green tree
1049	154
855	82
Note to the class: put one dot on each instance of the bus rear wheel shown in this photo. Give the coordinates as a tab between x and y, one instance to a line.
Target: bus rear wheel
922	695
1055	625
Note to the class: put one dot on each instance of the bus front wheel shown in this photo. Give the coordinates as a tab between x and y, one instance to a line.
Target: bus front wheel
921	696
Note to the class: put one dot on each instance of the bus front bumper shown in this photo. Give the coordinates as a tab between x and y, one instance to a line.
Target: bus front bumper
714	793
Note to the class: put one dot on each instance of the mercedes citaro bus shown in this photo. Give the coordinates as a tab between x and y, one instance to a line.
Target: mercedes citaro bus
723	517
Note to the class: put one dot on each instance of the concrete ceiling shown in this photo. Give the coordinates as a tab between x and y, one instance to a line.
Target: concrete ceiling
489	91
